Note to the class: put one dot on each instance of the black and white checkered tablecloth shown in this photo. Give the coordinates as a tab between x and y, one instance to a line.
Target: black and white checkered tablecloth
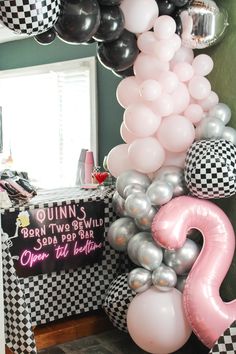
48	297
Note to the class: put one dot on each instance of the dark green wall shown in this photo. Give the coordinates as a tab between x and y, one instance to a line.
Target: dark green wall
28	52
223	80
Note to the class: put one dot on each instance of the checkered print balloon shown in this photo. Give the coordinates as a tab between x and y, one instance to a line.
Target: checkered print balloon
29	16
210	169
117	300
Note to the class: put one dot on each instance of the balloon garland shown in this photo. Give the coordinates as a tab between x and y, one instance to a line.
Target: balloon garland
176	142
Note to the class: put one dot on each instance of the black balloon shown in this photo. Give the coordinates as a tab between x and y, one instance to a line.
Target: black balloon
109	2
124	73
46	37
180	3
111	24
166	7
120	54
78	21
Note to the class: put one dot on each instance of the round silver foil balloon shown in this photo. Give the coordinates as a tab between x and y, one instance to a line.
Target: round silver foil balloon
201	24
120	232
118	205
133	188
221	111
164	278
229	134
182	259
159	192
173	175
209	128
131	177
181	281
135	243
140	280
145	221
149	255
137	205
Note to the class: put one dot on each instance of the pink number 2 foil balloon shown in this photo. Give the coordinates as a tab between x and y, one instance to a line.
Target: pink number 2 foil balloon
206	312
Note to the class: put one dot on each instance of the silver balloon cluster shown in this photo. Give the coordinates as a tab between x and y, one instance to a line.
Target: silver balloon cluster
213	126
162	268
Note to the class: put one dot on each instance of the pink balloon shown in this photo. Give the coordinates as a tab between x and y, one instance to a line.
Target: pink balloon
183	70
183	55
181	98
194	113
141	120
118	160
199	87
176	40
209	102
164	50
164	27
163	105
175	159
207	314
176	133
127	91
169	81
156	321
126	135
202	64
150	90
139	15
148	67
146	154
146	41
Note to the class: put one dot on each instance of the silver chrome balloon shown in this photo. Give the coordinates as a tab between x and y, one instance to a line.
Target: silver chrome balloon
209	128
135	243
118	205
139	279
131	177
164	278
149	255
182	259
229	134
159	192
145	221
181	281
133	188
221	111
201	24
137	205
120	232
173	175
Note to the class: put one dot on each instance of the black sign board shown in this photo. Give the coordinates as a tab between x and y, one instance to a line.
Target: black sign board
55	238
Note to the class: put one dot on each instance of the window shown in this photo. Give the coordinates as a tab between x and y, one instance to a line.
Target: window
48	116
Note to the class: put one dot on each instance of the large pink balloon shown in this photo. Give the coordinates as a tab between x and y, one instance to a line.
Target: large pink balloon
118	160
126	135
145	42
139	15
202	64
156	321
149	67
176	133
208	315
199	87
181	98
209	102
164	27
127	91
163	105
146	154
175	159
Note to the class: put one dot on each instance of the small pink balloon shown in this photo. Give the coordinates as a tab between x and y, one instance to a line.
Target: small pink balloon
202	65
148	67
146	154
176	133
181	98
139	15
169	81
183	70
141	120
163	105
127	91
164	27
126	134
150	90
118	160
175	159
164	50
176	40
199	87
146	41
194	113
209	102
182	55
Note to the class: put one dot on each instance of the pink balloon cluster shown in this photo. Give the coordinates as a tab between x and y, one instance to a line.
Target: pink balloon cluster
164	101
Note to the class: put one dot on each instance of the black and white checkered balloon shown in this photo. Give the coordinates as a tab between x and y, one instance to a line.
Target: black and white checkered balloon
117	300
29	16
210	169
226	342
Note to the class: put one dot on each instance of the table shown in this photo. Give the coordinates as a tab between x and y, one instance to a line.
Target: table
45	298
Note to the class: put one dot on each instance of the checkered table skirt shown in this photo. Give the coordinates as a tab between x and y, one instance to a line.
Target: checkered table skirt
48	297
